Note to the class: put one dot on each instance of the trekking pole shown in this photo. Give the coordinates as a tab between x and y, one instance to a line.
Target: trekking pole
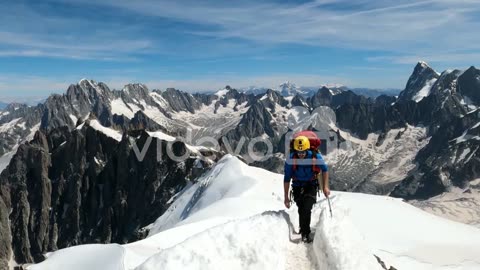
291	195
329	206
318	187
328	198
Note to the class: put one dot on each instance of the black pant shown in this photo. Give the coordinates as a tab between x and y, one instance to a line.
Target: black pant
305	197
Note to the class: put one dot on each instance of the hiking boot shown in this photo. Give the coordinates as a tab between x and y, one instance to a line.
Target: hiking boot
306	238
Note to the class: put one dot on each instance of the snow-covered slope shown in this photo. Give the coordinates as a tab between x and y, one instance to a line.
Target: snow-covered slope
234	218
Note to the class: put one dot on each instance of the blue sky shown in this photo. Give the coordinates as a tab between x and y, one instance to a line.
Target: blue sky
205	45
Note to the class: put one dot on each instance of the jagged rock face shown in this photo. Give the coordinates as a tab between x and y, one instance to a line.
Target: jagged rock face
469	84
85	99
323	97
348	97
419	78
366	117
446	83
237	97
363	119
326	97
443	104
5	236
24	119
204	98
298	100
132	92
257	121
26	191
272	98
80	100
385	100
70	188
181	101
141	122
274	164
449	159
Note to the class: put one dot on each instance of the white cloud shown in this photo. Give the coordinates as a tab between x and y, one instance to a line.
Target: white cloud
28	32
403	26
398	26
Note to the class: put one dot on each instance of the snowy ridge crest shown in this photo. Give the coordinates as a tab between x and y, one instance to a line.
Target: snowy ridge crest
239	222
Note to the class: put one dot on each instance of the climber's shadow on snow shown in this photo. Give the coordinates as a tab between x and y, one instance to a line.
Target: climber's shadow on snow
293	235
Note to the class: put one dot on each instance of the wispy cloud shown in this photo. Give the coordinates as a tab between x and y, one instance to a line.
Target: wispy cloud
25	31
398	26
403	26
227	42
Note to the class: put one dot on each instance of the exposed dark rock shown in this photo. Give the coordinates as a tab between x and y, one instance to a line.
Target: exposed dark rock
323	97
141	122
385	100
422	74
237	97
382	263
205	98
298	100
181	101
5	236
469	85
450	158
77	187
255	122
274	164
326	97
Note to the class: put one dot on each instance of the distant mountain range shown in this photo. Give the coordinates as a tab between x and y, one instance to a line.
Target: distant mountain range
69	174
373	93
288	89
28	100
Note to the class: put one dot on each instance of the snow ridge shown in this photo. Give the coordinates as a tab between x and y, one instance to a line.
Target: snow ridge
238	221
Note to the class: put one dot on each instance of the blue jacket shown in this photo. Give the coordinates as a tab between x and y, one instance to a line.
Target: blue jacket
303	173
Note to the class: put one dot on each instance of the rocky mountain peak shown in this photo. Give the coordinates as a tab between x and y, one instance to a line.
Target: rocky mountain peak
299	100
12	107
181	101
271	98
288	89
136	91
325	91
420	83
93	88
323	97
133	88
